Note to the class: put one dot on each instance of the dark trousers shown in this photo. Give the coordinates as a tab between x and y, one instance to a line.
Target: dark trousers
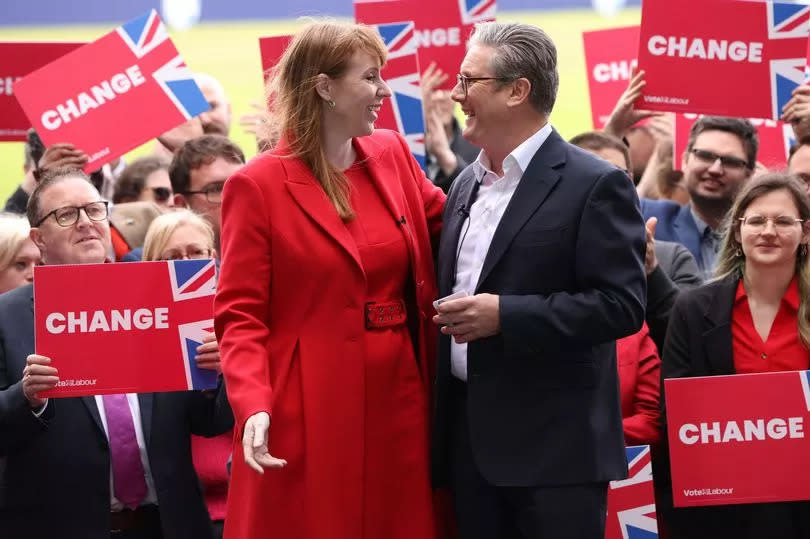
484	511
141	524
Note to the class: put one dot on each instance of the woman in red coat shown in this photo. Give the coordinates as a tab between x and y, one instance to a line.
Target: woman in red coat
640	382
323	304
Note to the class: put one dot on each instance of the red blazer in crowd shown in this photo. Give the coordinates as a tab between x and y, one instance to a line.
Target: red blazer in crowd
639	382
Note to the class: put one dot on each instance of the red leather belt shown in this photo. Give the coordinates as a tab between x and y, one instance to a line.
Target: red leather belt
384	314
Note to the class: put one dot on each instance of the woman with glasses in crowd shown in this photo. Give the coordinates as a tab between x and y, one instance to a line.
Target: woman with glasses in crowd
184	235
323	307
754	317
18	254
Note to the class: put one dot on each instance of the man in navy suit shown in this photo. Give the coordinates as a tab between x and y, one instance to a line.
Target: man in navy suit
720	157
117	466
548	242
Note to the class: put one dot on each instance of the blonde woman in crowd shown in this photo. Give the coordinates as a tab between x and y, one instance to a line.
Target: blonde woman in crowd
183	235
18	254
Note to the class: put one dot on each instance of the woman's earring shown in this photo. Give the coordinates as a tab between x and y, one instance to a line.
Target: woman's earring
803	250
331	103
738	253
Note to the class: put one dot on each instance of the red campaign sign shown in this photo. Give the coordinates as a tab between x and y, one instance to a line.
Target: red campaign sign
610	56
16	61
272	48
631	501
138	338
727	448
441	32
701	64
113	94
775	140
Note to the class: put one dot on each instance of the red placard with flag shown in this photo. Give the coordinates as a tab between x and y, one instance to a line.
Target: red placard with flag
138	338
441	32
728	448
114	94
735	59
16	61
775	140
631	501
610	56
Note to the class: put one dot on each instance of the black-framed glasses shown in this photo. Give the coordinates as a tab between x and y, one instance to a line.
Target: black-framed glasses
161	194
780	222
192	253
69	215
728	162
465	81
212	192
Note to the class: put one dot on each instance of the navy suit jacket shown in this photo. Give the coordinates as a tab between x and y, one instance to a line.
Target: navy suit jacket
567	260
675	223
56	481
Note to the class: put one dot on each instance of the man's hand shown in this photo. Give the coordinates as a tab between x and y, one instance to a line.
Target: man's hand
432	78
650	261
470	318
62	155
254	444
797	111
208	354
38	376
173	139
625	115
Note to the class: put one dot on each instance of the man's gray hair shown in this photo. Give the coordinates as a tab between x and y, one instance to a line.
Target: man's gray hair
522	51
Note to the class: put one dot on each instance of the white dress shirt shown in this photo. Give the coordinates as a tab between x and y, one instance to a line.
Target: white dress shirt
134	407
485	214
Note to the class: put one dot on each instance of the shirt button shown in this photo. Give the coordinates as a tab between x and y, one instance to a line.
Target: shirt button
764	355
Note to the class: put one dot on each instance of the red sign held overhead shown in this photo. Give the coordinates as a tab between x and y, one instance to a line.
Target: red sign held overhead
16	61
713	437
114	94
139	338
699	64
441	32
610	56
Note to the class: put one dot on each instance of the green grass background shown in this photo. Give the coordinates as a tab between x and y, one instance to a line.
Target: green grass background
230	52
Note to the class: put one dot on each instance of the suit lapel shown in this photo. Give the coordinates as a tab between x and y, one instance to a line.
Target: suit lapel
686	231
535	185
309	195
92	409
145	400
717	336
451	230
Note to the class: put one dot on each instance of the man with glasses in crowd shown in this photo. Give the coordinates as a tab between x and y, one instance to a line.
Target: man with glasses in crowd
720	157
547	241
198	173
112	466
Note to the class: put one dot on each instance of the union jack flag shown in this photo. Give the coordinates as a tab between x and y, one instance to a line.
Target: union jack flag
788	68
192	278
191	336
177	80
787	21
631	501
143	34
473	11
403	112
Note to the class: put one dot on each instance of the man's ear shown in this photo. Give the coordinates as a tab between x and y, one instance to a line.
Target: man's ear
324	87
180	201
521	89
36	236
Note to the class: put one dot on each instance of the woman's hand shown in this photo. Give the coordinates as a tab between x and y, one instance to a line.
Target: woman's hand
254	444
208	354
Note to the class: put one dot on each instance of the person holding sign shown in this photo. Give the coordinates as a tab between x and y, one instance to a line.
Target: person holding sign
752	318
543	247
322	308
84	467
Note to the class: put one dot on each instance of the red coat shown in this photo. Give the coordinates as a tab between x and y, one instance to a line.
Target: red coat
290	316
639	382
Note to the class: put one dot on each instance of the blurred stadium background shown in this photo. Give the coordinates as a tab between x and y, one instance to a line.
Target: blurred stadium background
225	44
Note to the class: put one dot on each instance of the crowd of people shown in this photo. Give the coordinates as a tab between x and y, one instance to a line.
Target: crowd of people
462	351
